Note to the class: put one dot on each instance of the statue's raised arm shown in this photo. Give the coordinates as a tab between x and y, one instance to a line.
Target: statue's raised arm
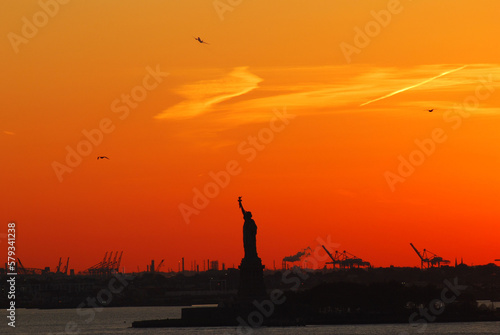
241	206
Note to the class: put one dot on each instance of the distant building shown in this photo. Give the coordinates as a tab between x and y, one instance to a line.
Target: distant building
488	305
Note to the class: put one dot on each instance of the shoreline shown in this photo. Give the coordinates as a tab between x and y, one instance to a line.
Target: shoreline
238	316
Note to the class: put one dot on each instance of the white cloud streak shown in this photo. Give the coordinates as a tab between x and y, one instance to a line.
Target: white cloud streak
413	86
201	96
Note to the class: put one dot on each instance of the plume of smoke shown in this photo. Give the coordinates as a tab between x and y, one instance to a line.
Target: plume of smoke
297	256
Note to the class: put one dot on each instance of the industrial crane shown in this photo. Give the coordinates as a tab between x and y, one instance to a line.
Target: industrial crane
27	271
430	258
345	259
66	267
119	262
422	259
159	265
21	266
436	260
108	262
107	265
112	265
58	268
335	260
103	262
350	260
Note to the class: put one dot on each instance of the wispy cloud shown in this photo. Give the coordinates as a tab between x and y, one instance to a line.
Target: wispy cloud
201	96
345	90
8	132
413	86
330	90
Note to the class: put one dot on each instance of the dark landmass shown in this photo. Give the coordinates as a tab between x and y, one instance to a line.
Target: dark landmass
371	295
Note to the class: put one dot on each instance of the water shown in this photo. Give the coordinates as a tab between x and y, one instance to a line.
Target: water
119	320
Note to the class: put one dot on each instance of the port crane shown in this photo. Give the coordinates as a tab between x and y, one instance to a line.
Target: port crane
112	265
345	259
58	268
107	265
335	260
21	266
119	262
349	260
27	271
436	260
159	266
429	258
422	259
66	267
102	263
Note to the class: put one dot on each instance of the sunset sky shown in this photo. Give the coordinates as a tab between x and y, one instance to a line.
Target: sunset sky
315	112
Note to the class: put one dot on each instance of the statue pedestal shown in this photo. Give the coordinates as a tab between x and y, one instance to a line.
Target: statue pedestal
251	279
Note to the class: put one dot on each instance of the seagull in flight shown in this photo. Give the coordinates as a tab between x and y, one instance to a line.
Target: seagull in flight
200	40
102	157
430	110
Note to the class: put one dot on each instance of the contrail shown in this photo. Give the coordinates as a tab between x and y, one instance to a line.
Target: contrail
413	86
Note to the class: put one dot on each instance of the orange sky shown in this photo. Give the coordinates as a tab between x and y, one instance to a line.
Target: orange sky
329	169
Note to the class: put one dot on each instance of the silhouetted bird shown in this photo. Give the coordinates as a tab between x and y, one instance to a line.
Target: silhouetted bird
102	157
430	110
200	40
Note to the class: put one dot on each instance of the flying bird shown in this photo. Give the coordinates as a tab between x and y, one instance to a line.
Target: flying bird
200	40
430	110
102	157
